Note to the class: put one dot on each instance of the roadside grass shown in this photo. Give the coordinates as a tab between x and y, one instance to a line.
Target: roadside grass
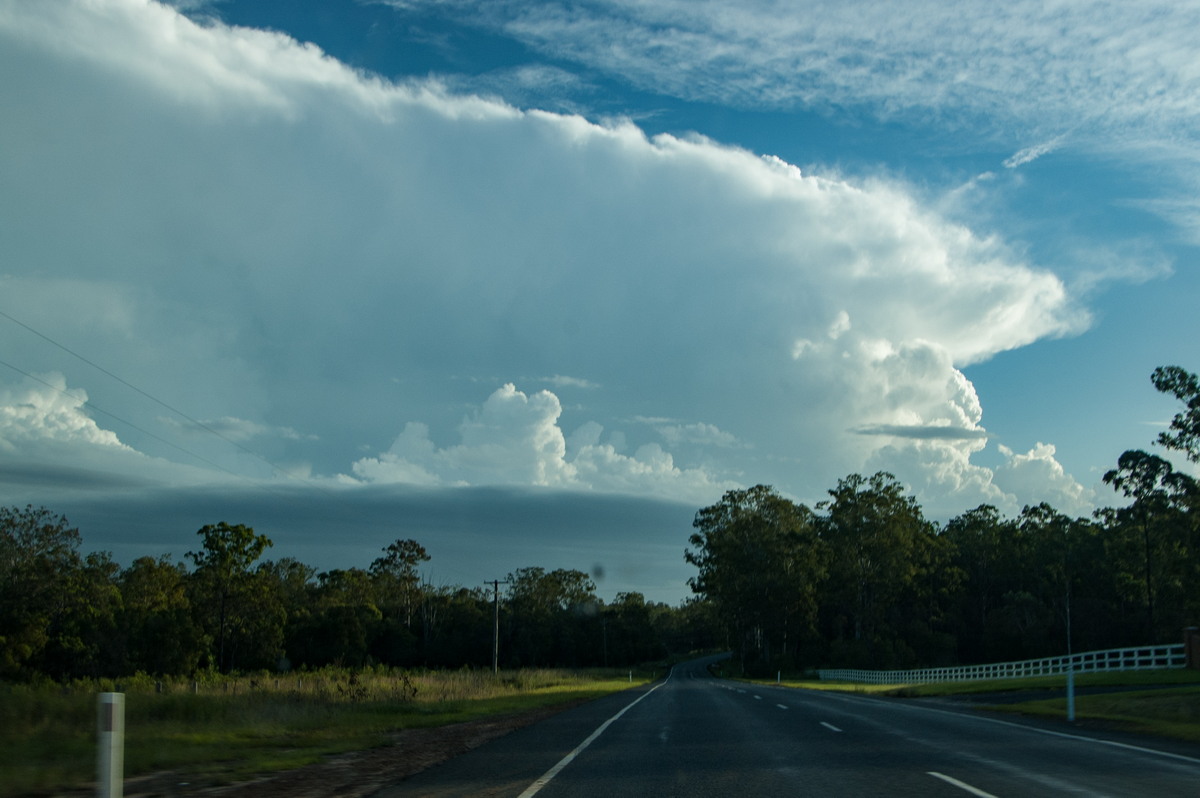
1171	709
221	729
1173	713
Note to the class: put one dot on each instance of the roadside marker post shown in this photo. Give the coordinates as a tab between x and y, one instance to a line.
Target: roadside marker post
110	738
1071	695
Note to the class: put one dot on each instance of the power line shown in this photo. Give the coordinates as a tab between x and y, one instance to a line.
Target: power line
123	421
149	396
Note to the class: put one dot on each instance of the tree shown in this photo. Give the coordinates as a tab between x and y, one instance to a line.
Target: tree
891	577
984	547
549	613
760	563
227	591
38	560
396	573
1159	512
160	635
1185	427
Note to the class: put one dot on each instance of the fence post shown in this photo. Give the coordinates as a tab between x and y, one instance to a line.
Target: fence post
110	757
1191	646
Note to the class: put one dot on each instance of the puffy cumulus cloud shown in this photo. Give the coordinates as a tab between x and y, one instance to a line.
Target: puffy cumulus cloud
942	476
1037	476
42	411
514	439
283	232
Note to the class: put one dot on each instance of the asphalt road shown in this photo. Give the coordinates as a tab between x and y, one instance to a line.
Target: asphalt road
693	735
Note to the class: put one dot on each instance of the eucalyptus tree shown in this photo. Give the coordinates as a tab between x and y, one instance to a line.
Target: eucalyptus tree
761	565
40	576
550	617
891	581
398	581
1162	517
235	603
1184	433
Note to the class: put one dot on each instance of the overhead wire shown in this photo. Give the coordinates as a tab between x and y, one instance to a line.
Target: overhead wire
114	416
200	424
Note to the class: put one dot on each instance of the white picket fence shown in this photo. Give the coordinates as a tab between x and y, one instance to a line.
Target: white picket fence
1141	658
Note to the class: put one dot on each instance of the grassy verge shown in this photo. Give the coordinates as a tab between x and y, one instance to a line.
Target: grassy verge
1173	713
225	729
1171	709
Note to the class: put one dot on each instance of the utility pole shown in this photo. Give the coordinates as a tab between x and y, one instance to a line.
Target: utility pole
495	583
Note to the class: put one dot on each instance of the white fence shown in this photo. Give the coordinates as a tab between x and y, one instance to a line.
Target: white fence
1114	659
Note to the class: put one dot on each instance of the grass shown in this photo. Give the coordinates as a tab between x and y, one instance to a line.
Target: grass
1171	709
47	732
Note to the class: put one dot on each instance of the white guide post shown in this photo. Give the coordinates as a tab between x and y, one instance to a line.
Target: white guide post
1071	695
110	739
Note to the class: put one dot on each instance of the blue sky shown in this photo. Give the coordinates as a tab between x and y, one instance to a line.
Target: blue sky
531	282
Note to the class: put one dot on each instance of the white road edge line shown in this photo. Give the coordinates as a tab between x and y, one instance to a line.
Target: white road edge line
1080	737
830	726
545	779
962	785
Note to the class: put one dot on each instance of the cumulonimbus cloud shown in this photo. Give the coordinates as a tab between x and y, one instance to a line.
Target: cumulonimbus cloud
303	247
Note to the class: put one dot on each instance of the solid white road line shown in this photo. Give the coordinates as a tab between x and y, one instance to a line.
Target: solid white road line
545	779
962	785
830	726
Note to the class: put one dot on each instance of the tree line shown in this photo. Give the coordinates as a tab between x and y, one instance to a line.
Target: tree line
66	615
865	580
862	579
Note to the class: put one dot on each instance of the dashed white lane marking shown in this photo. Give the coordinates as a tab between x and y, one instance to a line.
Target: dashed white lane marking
962	785
830	726
782	706
758	698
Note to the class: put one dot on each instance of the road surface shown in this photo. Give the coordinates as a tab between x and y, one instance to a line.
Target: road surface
693	735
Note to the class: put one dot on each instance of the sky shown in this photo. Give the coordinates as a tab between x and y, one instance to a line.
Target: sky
532	282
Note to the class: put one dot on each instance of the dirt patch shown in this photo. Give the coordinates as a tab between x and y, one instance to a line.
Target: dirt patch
351	775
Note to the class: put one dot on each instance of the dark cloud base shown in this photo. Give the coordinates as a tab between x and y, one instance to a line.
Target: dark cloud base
472	534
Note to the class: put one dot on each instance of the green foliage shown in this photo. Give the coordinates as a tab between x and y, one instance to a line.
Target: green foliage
865	580
238	608
761	564
892	579
1185	427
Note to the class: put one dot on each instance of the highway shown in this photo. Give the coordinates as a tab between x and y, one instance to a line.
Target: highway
693	735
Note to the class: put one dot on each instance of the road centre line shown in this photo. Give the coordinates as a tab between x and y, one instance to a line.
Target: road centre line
758	698
962	785
546	777
782	706
830	726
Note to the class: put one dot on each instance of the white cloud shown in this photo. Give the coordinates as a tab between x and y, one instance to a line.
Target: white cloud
514	439
1031	154
1119	78
1037	476
235	429
699	433
1056	64
280	230
42	410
